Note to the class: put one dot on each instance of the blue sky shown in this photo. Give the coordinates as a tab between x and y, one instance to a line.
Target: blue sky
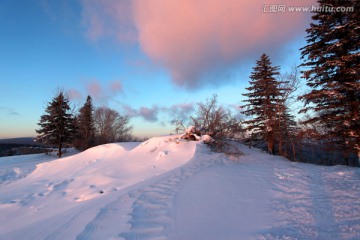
151	63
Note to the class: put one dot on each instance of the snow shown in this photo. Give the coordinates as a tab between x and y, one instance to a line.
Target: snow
169	189
207	139
191	129
14	167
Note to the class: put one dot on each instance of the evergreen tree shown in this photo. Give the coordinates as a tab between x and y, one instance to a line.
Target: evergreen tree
263	101
57	125
332	57
85	126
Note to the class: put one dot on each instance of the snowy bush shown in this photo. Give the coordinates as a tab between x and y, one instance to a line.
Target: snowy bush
214	126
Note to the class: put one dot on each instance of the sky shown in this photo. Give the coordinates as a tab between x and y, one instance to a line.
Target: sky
152	60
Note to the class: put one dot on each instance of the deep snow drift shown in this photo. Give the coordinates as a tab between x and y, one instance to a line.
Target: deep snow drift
164	189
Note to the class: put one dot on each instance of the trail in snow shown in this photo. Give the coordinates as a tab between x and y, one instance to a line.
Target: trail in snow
152	215
317	202
257	197
164	190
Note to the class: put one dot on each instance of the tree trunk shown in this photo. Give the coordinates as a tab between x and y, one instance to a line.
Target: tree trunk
280	146
293	149
280	112
59	148
251	141
291	141
271	146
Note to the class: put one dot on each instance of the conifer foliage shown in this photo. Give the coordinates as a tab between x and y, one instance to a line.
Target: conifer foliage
85	137
57	125
333	72
263	99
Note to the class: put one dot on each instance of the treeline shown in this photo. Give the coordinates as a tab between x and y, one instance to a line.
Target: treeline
330	132
62	126
19	149
272	126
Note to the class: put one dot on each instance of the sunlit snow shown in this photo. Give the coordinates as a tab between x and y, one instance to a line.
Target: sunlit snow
169	189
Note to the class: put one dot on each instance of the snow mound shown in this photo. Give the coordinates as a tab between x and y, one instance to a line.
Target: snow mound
103	169
207	139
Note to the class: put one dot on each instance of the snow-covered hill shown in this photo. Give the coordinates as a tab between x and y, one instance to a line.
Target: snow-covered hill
162	189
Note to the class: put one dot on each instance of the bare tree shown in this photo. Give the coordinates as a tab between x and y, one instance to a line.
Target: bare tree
179	126
111	126
215	121
290	83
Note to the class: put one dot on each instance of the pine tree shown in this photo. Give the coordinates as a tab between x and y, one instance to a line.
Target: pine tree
57	126
263	102
332	56
85	126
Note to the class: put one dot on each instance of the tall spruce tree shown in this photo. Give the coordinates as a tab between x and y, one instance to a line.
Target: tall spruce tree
85	137
263	101
57	125
332	57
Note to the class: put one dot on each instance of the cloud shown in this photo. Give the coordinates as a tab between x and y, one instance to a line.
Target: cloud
74	94
108	18
95	90
64	13
151	114
14	113
129	111
197	41
103	94
236	109
9	111
148	114
180	111
116	86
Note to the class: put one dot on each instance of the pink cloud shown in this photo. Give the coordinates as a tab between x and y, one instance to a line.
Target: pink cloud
108	18
151	114
103	94
129	111
94	89
148	114
194	39
181	111
74	94
116	86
